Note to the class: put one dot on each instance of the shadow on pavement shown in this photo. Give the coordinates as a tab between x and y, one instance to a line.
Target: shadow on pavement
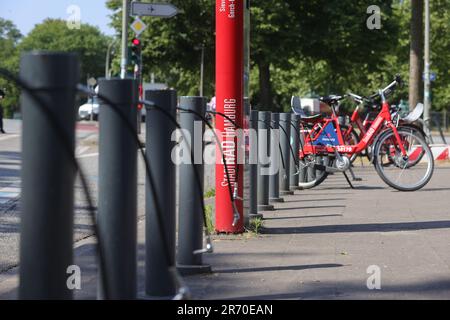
308	200
351	290
314	207
9	227
280	268
323	194
370	227
429	189
369	188
8	173
305	217
10	155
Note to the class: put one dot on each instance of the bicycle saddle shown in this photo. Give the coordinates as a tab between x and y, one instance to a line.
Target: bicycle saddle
331	100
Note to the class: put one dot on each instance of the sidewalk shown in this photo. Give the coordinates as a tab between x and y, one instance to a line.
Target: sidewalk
319	244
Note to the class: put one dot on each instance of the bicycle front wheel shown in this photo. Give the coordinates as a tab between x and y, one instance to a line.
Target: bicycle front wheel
403	173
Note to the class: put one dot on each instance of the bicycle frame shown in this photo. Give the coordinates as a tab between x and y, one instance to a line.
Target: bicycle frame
382	120
355	120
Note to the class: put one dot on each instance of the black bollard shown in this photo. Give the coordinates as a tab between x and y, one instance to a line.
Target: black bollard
303	174
159	282
264	123
295	144
117	187
46	243
190	217
285	137
275	156
253	159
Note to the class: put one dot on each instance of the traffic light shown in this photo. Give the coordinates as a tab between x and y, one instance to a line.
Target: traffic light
136	51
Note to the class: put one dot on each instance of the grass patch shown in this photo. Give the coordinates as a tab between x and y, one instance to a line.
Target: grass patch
256	225
209	219
210	193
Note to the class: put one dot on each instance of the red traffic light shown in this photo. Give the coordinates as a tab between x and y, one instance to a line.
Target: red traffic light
136	42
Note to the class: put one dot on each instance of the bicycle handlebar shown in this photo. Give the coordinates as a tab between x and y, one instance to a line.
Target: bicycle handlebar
388	90
385	92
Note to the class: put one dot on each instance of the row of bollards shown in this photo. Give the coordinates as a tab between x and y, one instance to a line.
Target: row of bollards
48	176
276	159
264	160
278	169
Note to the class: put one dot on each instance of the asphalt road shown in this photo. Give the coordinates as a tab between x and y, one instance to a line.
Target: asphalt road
10	164
87	155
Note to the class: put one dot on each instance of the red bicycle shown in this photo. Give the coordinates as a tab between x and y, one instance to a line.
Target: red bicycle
395	149
351	136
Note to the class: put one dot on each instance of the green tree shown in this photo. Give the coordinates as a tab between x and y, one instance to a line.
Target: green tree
273	42
9	37
320	45
297	47
171	47
440	53
52	35
88	42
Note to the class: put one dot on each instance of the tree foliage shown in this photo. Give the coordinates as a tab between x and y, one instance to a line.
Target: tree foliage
172	47
52	35
9	37
88	42
304	47
328	48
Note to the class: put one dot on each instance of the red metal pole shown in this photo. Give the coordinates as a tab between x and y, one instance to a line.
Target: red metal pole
229	100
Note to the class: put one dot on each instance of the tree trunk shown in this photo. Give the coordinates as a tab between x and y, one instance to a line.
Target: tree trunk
265	86
416	54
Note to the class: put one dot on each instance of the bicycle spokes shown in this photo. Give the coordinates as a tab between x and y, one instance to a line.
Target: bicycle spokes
404	172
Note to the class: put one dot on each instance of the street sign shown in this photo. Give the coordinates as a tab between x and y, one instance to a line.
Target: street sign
433	76
138	26
162	10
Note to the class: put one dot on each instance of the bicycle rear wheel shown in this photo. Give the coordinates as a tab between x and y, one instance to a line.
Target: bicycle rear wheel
310	177
403	173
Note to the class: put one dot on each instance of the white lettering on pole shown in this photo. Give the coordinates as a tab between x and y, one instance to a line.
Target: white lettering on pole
223	6
228	140
232	7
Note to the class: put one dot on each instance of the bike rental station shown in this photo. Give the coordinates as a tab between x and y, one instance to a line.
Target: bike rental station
397	147
263	161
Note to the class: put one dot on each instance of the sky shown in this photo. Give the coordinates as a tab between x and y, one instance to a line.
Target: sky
27	13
